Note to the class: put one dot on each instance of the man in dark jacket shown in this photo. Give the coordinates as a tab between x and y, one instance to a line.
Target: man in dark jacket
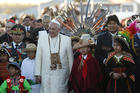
135	46
17	45
105	40
6	37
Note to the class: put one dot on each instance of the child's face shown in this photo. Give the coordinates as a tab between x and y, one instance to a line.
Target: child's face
84	50
3	58
117	47
13	71
31	54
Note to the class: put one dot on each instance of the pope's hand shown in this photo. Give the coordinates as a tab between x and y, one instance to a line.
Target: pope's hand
38	79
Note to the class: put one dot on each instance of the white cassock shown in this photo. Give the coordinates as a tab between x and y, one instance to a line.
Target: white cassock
27	70
54	81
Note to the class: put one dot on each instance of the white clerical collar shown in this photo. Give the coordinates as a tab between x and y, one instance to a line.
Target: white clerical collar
113	34
54	43
14	44
84	56
138	35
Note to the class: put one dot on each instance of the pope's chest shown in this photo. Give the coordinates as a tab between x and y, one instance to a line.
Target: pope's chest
47	48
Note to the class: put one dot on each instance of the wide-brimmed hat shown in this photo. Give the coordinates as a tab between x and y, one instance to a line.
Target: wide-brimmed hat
75	38
85	36
30	47
82	43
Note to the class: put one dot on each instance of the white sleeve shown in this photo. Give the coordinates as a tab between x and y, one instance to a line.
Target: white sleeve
22	68
38	59
70	54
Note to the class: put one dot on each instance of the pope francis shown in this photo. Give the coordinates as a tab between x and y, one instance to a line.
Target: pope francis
54	59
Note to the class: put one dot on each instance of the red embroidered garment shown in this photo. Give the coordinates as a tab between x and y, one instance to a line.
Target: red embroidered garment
88	78
3	71
19	82
84	68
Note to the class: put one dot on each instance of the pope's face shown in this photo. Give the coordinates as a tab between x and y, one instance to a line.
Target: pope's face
53	29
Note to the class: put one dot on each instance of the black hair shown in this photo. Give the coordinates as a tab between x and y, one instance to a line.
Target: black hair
27	17
39	20
122	44
11	65
113	18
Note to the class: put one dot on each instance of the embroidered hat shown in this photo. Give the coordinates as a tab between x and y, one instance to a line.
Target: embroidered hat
4	51
18	29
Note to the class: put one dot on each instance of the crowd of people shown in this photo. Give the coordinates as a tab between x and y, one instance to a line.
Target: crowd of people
46	56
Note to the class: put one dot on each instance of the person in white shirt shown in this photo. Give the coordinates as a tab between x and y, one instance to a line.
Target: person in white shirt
27	67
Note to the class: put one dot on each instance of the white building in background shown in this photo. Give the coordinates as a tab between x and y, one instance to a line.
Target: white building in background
122	8
36	10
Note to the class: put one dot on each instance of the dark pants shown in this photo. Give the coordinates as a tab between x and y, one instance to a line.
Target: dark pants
138	84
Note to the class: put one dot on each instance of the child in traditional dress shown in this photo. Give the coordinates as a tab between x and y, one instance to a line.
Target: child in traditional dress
27	67
4	60
120	68
86	74
15	83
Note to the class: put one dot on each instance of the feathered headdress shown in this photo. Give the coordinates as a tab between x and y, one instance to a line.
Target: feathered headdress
130	31
90	24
